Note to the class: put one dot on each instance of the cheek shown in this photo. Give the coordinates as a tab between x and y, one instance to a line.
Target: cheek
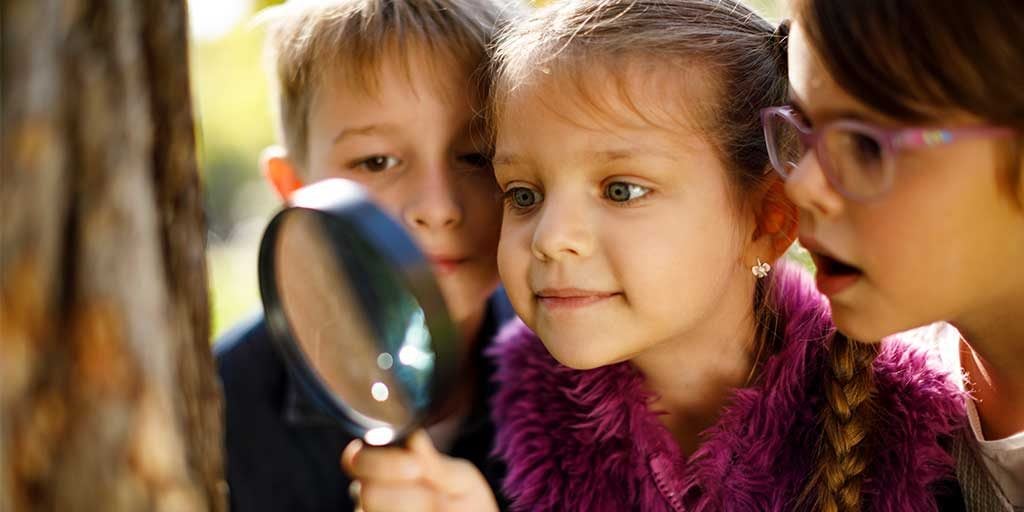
927	246
938	199
514	261
883	234
682	256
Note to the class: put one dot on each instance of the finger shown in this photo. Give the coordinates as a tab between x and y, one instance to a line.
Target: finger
380	496
420	444
355	489
387	464
449	475
350	451
463	479
422	448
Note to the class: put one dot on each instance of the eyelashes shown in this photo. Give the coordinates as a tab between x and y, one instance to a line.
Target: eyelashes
624	192
522	199
376	163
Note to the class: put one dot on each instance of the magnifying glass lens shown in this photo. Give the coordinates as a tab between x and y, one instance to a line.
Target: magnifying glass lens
353	307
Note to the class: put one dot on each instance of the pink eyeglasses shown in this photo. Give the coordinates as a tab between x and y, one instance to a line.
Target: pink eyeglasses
857	158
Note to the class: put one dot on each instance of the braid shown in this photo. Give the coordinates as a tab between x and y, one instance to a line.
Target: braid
847	421
849	390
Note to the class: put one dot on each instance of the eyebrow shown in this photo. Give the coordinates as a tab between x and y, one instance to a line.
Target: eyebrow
795	102
826	114
505	159
613	155
603	156
369	129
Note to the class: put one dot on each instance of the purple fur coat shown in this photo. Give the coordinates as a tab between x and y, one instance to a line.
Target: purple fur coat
586	440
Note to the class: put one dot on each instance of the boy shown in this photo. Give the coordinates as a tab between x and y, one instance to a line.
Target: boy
385	93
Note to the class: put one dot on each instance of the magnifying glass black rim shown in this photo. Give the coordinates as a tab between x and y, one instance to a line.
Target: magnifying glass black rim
394	247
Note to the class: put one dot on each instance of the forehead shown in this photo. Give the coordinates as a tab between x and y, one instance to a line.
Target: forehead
812	87
407	90
410	72
552	125
609	98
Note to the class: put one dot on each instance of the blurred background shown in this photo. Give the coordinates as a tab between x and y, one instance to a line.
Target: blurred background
234	123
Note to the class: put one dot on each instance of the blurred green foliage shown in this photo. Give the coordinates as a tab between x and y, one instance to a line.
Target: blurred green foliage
234	124
773	10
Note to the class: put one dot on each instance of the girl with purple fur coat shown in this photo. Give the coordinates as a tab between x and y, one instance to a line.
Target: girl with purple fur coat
665	359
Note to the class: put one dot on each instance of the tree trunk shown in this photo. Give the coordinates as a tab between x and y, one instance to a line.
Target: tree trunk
109	397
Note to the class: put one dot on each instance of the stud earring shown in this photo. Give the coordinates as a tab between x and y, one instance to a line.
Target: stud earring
760	270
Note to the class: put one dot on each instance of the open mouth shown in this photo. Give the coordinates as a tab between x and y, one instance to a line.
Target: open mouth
833	267
833	275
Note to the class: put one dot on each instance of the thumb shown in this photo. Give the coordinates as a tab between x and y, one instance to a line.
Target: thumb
420	445
446	474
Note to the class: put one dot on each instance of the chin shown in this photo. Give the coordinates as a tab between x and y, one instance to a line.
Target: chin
863	327
466	299
578	357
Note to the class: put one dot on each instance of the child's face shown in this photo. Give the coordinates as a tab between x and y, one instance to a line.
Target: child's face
616	238
946	242
415	145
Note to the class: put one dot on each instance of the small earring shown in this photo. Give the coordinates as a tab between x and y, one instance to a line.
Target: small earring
760	270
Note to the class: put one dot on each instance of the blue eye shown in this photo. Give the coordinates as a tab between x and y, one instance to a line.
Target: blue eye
622	192
378	163
522	197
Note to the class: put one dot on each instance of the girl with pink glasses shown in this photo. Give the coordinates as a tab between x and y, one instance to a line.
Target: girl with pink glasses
903	147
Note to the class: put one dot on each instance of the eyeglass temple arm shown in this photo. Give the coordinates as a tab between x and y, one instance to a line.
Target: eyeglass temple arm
930	137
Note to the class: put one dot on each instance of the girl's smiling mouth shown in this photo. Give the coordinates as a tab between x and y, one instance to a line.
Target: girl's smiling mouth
571	298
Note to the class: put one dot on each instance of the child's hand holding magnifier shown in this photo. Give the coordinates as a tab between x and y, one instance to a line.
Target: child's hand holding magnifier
414	478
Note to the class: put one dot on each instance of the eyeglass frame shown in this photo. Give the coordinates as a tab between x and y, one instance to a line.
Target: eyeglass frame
890	141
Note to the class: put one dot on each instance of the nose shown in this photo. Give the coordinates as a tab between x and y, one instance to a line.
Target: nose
433	200
810	189
563	232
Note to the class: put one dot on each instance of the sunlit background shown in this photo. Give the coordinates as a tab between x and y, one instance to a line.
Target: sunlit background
234	125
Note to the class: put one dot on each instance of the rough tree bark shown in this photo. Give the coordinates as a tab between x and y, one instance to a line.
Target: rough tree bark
109	396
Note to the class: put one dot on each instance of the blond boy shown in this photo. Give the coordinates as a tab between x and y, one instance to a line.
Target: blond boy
386	93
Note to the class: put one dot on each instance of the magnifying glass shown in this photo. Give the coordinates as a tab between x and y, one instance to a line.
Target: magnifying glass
354	308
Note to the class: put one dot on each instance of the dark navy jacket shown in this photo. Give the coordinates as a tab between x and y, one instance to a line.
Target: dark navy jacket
283	454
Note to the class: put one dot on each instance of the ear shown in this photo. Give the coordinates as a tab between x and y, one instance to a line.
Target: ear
279	171
777	220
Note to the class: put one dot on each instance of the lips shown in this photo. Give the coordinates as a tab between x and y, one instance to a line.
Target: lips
834	275
572	298
445	265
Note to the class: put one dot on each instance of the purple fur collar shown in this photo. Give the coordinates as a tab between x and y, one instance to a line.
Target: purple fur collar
585	440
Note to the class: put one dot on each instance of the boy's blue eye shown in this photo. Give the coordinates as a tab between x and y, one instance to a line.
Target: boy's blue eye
378	163
522	197
622	192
